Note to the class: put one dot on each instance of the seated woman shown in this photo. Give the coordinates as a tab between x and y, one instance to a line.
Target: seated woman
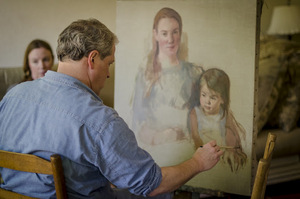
38	59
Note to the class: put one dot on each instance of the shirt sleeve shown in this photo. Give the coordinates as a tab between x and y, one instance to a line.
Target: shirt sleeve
123	162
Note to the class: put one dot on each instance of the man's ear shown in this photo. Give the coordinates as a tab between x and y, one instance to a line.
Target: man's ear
91	58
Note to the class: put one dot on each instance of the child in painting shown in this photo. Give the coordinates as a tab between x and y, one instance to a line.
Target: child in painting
211	119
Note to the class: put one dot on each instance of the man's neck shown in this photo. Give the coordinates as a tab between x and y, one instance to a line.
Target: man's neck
76	69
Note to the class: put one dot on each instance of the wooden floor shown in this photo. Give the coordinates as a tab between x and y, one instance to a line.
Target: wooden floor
289	190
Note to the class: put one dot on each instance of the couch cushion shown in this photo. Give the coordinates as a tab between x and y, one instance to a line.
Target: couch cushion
286	143
8	77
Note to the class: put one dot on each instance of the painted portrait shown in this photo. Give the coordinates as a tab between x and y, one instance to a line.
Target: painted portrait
185	76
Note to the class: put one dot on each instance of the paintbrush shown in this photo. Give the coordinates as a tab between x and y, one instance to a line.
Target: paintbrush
227	147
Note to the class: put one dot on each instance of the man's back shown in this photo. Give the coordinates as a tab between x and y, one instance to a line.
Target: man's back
59	114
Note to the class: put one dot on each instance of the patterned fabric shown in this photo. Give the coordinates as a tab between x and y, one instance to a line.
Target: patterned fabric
271	74
278	104
287	110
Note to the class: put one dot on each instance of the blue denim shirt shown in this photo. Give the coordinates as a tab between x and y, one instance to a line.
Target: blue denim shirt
59	114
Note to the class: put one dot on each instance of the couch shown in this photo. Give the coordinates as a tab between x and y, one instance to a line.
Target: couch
278	104
10	76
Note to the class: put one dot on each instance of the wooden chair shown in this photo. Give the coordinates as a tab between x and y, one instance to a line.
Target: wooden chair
260	182
33	164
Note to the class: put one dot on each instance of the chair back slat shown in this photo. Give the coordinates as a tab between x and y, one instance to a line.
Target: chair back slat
33	164
25	162
270	144
4	194
260	182
58	175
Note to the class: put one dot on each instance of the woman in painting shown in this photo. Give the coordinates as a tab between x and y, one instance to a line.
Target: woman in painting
211	119
164	86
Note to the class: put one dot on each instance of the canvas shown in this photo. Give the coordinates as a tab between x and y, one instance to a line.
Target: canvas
185	75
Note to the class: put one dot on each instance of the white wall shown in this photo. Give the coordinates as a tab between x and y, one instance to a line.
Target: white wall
22	21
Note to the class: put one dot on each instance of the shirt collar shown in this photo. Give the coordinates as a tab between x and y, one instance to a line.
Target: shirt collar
69	80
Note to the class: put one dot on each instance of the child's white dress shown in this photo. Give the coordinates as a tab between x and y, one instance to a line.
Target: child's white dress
211	127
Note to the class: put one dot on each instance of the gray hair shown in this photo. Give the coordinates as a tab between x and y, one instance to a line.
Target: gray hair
83	36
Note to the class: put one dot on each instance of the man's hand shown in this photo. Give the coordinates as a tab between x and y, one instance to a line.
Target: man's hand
207	156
